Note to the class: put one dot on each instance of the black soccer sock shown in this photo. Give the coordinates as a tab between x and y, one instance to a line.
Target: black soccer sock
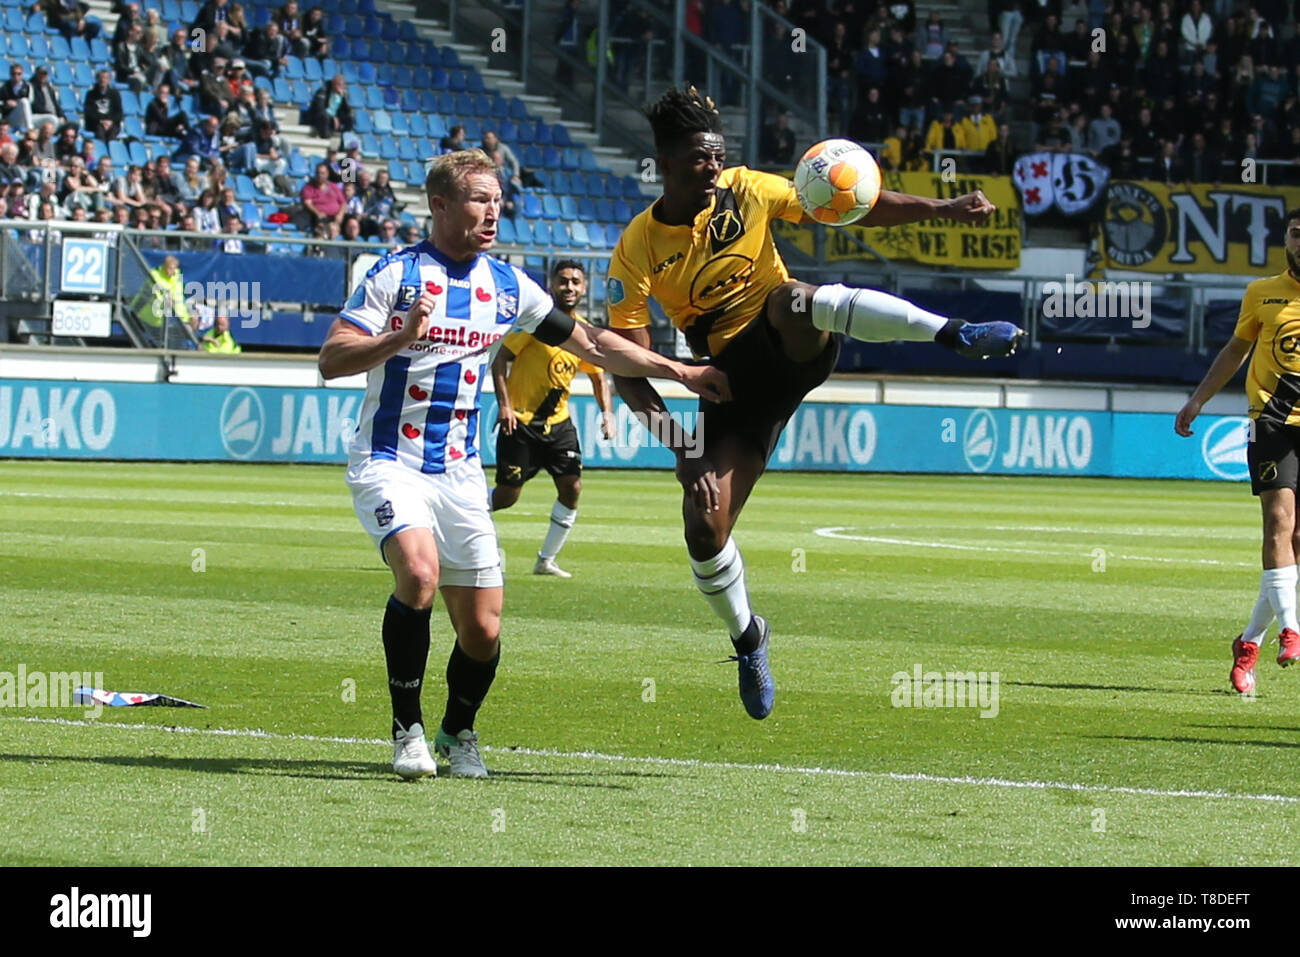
947	336
468	682
406	652
747	641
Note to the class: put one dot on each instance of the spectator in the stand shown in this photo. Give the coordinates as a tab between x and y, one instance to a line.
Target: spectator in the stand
870	64
1266	91
330	111
839	72
351	229
1146	143
1048	42
219	338
1202	164
267	51
568	41
1265	47
1079	43
388	234
1103	132
1051	80
945	134
1162	74
232	226
410	235
948	85
1197	83
991	87
1197	28
154	27
1006	18
177	56
128	190
726	29
1054	136
776	145
1123	160
913	96
159	119
454	140
81	188
352	204
10	171
315	39
210	14
202	141
163	295
214	94
129	61
930	40
978	129
128	16
189	182
870	121
103	108
15	98
1000	156
1168	122
237	28
264	111
997	51
69	18
66	146
379	200
1168	166
323	198
290	21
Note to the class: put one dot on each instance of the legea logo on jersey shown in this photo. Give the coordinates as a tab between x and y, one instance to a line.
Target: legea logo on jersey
1224	448
243	420
979	441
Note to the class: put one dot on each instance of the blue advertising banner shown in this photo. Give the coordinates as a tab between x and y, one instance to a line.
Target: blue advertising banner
112	420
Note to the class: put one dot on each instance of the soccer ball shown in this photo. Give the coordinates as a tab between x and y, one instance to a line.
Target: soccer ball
837	181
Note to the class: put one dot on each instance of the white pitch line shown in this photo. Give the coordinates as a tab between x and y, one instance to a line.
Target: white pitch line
696	763
839	532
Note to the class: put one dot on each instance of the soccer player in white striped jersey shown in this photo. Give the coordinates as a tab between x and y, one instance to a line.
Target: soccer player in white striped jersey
422	326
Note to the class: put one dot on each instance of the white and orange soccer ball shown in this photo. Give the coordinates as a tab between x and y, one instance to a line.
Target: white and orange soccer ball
838	182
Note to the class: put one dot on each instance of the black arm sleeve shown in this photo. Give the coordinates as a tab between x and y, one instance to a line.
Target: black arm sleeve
555	329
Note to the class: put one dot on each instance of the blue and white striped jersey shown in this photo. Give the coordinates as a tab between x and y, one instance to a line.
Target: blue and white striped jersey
422	406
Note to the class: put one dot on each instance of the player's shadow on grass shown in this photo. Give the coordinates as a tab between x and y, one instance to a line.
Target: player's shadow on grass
1191	740
324	770
1134	689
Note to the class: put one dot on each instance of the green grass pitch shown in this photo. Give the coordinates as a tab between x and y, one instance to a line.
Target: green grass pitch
1105	607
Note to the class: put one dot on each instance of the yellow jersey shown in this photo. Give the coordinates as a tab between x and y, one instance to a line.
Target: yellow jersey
540	378
711	277
1270	318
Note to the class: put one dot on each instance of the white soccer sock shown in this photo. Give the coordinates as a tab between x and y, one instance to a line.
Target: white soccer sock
1279	584
872	316
721	579
1261	618
562	520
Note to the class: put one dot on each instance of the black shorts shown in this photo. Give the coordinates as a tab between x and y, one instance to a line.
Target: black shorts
529	448
766	388
1273	453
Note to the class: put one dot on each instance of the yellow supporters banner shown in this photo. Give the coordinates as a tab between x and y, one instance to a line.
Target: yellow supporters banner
936	242
1195	227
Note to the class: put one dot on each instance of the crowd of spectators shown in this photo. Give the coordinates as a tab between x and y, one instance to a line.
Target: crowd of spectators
1176	91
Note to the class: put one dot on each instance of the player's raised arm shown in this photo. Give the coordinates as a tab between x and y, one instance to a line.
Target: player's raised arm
1224	367
897	209
350	349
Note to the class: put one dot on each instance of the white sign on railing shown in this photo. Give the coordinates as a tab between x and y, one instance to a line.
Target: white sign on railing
91	320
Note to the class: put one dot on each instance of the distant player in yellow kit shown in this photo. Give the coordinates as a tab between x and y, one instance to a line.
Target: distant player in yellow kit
533	417
704	250
1269	323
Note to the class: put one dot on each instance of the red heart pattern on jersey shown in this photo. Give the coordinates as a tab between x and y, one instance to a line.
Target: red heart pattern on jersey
455	453
460	414
433	287
410	431
483	294
416	393
470	377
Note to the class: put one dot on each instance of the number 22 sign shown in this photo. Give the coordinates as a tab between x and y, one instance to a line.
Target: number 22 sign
85	266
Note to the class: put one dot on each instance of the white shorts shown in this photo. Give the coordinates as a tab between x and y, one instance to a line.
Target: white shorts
389	497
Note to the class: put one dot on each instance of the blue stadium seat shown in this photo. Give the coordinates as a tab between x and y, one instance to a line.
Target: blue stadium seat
302	92
329	67
70	102
406	31
383	71
437	126
389	30
612	233
132	127
632	190
542	134
371	28
387	147
396	171
449	57
244	189
311	69
139	155
251	215
411	105
402	76
131	104
406	149
415	171
462	105
500	106
560	234
260	17
373	97
559	181
341	47
38	47
532	158
447	103
14	21
370	145
280	90
439	81
118	153
60	48
422	77
263	83
430	56
189	10
506	231
523	231
293	68
298	165
80	49
474	83
361	121
354	26
382	121
551	158
570	159
568	208
17	44
559	134
482	105
604	209
579	233
550	206
622	212
400	125
456	81
473	129
99	51
334	24
531	205
61	74
518	109
366	72
349	70
542	234
596	240
360	49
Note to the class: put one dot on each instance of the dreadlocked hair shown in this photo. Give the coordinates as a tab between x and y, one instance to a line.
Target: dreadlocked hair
680	114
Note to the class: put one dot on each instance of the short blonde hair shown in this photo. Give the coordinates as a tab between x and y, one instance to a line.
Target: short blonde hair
447	172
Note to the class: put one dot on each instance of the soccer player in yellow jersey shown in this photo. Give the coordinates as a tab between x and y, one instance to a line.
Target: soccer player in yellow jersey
535	430
705	251
1270	324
